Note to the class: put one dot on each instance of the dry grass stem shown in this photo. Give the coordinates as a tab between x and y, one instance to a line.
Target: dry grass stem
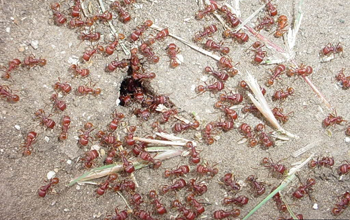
318	93
173	137
302	150
217	58
292	33
160	142
260	102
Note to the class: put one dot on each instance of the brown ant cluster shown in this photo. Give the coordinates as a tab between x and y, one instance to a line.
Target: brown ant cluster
191	177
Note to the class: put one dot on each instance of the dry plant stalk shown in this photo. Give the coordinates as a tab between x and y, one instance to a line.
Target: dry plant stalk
260	102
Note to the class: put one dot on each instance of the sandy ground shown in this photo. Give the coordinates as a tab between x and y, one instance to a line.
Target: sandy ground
27	27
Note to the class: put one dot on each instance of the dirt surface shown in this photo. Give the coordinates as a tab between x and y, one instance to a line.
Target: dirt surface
22	23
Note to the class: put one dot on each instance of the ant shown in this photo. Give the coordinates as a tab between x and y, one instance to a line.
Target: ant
212	45
187	213
193	153
31	136
129	138
64	87
78	71
58	104
45	120
301	71
233	98
344	80
144	76
143	215
166	115
85	136
303	189
217	74
127	165
278	113
275	73
282	22
266	140
182	126
344	168
275	167
208	31
281	95
43	189
226	64
89	53
124	185
144	114
342	204
259	187
90	36
259	55
246	131
264	23
147	51
65	126
13	64
123	14
215	87
58	17
104	17
230	181
347	131
140	30
76	8
180	171
332	119
231	18
113	125
239	200
205	169
206	133
331	49
147	157
85	90
109	50
77	22
172	51
119	215
89	157
161	35
230	113
117	64
221	214
225	125
31	61
199	208
160	208
279	203
237	36
136	199
209	9
104	186
325	162
198	189
271	9
177	185
6	93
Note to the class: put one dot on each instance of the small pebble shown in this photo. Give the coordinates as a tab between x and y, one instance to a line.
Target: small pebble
69	162
77	188
35	44
51	174
21	49
8	29
66	210
46	138
315	206
18	127
347	140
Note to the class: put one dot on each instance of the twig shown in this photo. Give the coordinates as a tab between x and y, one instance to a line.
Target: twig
217	58
115	168
121	43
